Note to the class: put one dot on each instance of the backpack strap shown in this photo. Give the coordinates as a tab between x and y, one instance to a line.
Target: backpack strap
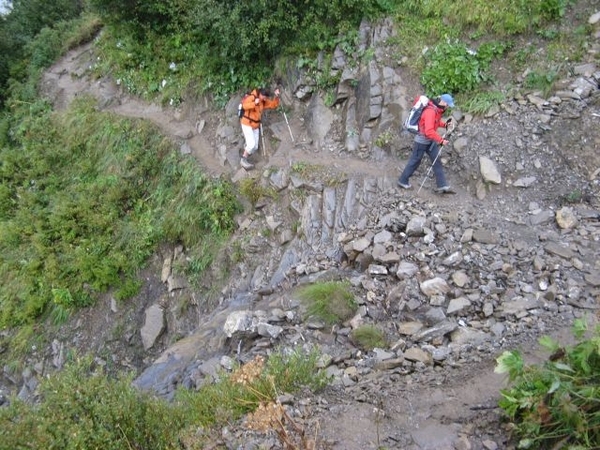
244	116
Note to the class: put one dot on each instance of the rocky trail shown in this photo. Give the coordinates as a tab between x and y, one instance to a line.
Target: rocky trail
453	280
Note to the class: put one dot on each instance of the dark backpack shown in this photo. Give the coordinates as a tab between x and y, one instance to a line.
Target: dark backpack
411	124
240	108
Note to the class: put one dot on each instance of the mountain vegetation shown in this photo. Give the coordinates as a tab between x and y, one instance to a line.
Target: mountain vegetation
86	198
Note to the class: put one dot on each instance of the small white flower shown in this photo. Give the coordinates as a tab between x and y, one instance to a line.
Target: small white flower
119	44
164	83
471	52
173	66
118	82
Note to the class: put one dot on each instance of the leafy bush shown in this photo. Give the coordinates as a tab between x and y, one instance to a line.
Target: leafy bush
332	302
453	67
221	47
555	404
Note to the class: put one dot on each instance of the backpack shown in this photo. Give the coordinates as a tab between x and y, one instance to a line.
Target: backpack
411	124
240	109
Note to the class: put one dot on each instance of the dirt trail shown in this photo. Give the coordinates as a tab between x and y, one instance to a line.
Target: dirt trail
69	78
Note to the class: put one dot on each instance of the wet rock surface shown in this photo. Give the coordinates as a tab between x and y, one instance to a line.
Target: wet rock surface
452	280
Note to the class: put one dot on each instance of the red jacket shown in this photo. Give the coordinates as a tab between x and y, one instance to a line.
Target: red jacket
253	112
430	121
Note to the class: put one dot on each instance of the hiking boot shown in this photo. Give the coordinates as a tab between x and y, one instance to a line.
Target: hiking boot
246	164
445	190
404	185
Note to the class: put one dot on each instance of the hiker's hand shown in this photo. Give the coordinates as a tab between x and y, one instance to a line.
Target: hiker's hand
445	142
277	92
256	101
448	122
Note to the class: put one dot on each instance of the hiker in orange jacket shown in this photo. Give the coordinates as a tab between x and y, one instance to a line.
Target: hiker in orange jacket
253	106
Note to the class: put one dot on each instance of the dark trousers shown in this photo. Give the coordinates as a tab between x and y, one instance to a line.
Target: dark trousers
414	162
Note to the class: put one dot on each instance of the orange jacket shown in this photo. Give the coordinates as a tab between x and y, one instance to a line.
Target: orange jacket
430	121
253	112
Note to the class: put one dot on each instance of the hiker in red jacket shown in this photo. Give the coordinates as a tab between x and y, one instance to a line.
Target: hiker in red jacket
429	141
253	106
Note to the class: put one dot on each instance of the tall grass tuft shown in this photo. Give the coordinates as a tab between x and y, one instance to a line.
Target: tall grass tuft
333	302
368	337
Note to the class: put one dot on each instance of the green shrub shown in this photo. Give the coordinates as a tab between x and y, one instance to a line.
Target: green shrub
253	190
333	302
453	67
575	196
83	408
554	9
257	381
142	41
515	16
555	404
368	337
541	81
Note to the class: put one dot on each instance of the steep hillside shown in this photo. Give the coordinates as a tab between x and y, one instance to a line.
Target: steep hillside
451	280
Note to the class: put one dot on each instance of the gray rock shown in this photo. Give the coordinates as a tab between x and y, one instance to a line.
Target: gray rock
406	270
518	306
462	336
434	286
458	305
153	325
566	218
489	171
237	321
485	236
524	182
268	330
415	226
416	354
409	328
541	218
435	332
555	248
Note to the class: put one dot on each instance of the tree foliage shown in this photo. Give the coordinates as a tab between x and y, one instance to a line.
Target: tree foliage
19	28
233	36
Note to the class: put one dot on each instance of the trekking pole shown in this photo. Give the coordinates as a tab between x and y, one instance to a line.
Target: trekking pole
262	138
431	167
285	116
288	124
436	157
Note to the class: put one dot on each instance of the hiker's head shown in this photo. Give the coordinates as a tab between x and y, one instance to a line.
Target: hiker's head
264	93
446	101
